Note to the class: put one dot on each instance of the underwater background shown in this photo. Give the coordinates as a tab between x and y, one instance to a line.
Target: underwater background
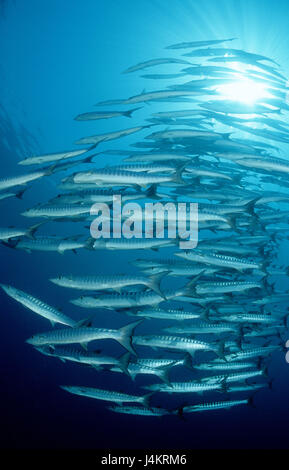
58	58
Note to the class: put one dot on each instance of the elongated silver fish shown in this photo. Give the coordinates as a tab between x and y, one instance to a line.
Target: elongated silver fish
13	181
251	353
216	259
219	364
37	306
154	96
185	387
167	314
213	287
96	139
178	343
154	62
213	406
84	335
122	177
192	44
235	377
56	244
202	328
90	358
11	232
95	115
115	282
107	395
52	157
58	211
267	164
131	244
139	411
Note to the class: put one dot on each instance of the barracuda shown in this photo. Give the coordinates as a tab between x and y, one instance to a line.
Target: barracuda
11	182
84	335
125	300
37	306
203	328
120	177
139	368
185	387
167	314
223	261
178	343
106	395
131	244
252	353
56	244
52	157
217	405
133	410
90	358
8	233
229	378
219	364
114	282
226	287
59	211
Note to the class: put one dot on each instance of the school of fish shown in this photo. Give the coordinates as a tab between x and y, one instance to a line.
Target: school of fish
215	312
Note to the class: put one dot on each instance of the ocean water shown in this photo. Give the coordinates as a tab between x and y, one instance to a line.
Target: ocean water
59	58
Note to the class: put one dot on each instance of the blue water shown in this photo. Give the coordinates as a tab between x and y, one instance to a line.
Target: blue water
58	58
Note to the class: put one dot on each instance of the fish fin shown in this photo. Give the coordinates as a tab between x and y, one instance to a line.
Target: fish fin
220	350
188	361
50	170
205	313
124	362
251	401
84	346
265	371
190	286
52	323
154	282
163	374
177	178
32	230
130	111
146	399
151	192
86	322
180	412
89	243
126	333
20	193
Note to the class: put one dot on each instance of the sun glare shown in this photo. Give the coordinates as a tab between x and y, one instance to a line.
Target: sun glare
245	91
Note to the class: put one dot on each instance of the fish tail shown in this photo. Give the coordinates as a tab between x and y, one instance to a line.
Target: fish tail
130	111
124	362
163	374
89	243
250	206
188	363
251	401
154	282
125	337
146	399
177	177
33	229
220	350
191	285
151	192
20	193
